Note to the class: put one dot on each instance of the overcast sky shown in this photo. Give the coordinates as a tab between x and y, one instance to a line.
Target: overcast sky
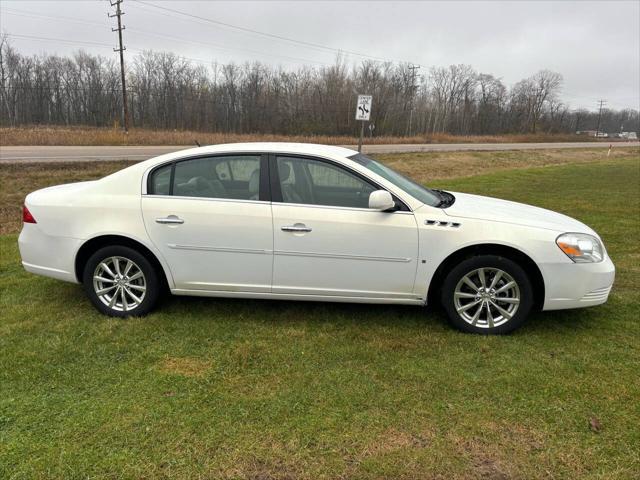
594	45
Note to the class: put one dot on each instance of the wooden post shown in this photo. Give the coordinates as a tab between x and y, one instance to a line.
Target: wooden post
361	136
121	49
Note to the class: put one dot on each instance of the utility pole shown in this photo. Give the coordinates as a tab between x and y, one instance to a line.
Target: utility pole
413	69
121	49
602	102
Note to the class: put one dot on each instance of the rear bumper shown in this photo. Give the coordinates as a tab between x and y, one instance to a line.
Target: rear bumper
46	255
576	285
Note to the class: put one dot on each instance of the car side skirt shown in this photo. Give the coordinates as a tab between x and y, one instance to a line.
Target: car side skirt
310	298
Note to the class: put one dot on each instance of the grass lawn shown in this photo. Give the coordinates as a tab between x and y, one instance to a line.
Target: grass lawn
212	388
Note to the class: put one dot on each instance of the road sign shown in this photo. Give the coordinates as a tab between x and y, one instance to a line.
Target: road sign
363	109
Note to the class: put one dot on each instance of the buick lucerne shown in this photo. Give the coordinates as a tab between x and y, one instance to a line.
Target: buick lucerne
308	222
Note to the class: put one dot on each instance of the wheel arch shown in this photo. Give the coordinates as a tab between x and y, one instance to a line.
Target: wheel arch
521	258
93	244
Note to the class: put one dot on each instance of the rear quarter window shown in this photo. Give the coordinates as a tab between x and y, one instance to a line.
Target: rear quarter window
160	183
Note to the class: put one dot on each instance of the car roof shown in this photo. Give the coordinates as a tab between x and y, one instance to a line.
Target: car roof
280	147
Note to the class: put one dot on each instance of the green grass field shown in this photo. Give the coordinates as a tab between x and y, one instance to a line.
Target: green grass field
216	389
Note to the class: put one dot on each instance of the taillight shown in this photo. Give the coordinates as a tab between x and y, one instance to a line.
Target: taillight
26	215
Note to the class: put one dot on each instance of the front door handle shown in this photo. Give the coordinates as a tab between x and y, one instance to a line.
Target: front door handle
298	227
170	220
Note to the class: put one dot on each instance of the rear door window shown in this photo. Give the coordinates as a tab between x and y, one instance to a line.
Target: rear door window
228	177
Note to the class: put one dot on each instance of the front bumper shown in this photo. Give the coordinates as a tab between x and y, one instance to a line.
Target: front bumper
577	285
47	255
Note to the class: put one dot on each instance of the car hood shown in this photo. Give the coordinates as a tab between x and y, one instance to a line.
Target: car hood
496	210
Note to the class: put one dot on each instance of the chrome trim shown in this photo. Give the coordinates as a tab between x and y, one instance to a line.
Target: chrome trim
206	199
333	207
598	294
48	269
441	223
413	300
290	253
295	228
170	220
218	249
340	256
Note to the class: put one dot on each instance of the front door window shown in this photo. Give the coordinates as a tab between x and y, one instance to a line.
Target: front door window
314	182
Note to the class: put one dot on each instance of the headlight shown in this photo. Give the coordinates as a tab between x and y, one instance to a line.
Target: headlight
581	248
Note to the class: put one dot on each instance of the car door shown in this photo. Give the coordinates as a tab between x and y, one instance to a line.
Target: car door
210	217
328	242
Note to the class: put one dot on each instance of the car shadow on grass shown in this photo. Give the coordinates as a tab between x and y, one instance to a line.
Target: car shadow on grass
287	312
280	312
574	320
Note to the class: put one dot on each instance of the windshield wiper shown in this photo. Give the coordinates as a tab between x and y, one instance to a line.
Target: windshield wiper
446	199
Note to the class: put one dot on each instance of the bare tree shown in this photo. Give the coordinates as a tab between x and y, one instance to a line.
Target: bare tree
169	92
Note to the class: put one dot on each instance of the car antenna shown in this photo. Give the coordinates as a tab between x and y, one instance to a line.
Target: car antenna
197	143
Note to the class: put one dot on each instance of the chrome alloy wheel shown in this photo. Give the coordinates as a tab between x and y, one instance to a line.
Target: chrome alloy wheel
119	283
487	297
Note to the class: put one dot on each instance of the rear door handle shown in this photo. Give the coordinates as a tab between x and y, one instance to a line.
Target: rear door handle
170	220
298	227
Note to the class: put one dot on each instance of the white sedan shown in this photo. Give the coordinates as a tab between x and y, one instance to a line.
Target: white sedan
308	222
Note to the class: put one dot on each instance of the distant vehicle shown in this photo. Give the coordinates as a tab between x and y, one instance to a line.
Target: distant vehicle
602	135
308	222
627	135
588	133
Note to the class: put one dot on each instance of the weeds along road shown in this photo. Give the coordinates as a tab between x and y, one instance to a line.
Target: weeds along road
36	154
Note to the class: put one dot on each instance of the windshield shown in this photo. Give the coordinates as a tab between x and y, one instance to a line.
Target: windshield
418	192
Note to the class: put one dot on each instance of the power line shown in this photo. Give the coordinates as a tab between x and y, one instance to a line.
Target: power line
105	45
257	52
59	40
22	13
169	37
264	34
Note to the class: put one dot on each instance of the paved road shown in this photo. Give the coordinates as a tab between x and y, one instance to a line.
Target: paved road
83	154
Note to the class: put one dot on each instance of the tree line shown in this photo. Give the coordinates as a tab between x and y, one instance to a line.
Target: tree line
169	92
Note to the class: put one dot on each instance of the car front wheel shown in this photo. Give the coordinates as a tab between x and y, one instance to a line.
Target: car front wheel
487	294
121	282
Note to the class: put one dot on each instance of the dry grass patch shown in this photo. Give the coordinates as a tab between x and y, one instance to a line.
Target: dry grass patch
52	135
185	366
393	440
257	469
496	453
427	166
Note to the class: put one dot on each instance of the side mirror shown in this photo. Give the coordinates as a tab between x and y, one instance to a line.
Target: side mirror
381	200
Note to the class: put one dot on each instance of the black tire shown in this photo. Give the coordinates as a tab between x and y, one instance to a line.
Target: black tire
489	265
149	281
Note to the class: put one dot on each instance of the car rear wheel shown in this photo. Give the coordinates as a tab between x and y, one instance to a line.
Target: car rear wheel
487	294
121	282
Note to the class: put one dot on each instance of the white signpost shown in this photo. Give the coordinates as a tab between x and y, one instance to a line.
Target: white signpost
363	113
